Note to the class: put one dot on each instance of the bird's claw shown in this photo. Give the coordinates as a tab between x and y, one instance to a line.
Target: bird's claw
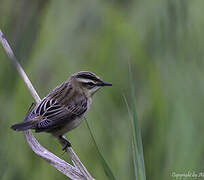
65	143
68	144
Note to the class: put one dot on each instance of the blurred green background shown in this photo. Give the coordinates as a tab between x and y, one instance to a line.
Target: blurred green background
163	42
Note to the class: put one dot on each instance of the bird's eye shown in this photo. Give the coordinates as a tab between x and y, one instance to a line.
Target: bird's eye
89	85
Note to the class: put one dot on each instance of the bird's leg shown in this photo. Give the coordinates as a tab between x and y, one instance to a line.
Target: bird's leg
65	143
31	107
29	110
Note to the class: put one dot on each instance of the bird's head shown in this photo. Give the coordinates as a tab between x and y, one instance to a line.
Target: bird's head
88	82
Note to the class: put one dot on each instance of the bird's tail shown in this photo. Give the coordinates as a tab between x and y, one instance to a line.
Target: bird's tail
23	126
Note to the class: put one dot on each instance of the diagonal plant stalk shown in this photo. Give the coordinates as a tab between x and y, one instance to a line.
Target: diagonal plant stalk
108	171
79	172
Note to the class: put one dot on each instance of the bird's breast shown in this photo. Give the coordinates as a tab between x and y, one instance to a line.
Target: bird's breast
67	126
71	124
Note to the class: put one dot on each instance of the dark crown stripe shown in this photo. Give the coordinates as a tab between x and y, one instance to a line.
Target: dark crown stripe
87	76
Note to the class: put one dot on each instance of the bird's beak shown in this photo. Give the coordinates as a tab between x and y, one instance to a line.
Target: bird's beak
106	84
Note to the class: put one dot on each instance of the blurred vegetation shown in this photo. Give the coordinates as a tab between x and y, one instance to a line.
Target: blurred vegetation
162	40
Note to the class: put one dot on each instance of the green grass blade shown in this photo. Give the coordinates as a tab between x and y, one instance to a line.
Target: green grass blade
137	147
106	167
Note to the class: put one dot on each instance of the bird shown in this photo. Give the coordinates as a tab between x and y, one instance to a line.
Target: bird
64	108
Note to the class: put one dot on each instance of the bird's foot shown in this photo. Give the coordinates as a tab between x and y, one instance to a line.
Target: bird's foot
64	142
68	144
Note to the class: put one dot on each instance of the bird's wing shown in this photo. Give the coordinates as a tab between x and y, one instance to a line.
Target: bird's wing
52	114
